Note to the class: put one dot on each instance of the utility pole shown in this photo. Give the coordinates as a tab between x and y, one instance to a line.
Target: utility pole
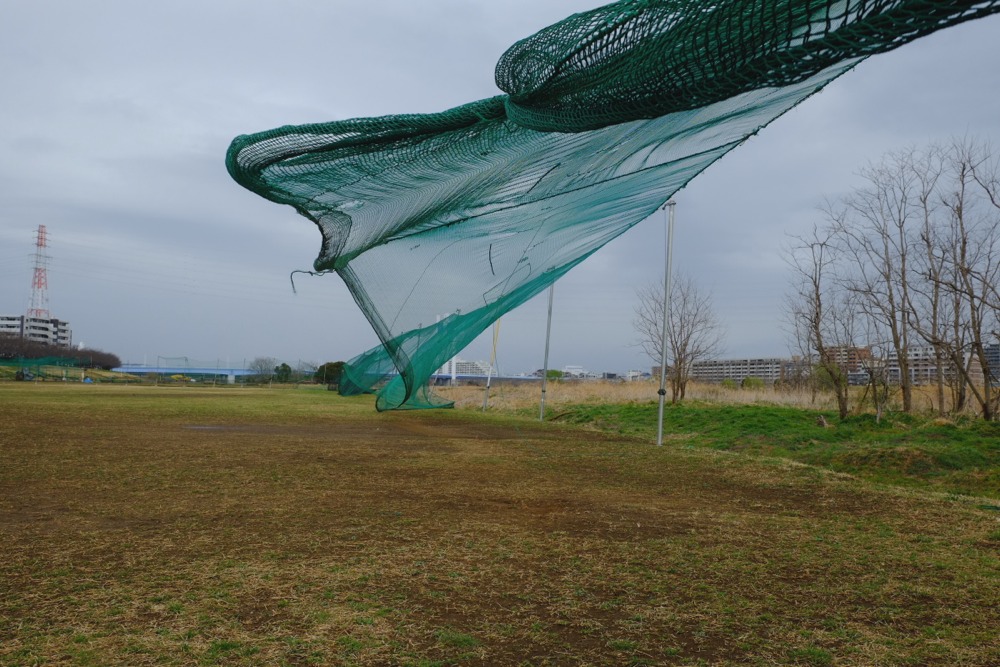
545	363
668	251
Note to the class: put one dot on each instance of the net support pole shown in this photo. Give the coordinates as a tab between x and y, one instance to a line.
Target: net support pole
493	360
668	252
545	361
453	364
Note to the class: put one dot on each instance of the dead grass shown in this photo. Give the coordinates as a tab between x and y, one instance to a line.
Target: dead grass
525	397
184	526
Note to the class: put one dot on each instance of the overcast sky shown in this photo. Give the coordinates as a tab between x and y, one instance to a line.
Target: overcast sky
115	117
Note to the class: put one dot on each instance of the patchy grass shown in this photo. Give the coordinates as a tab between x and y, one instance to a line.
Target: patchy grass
960	458
189	526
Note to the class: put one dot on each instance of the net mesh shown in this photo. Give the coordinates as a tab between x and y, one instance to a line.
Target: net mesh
440	223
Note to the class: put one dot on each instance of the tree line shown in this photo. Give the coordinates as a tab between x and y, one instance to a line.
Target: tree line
268	369
905	268
14	348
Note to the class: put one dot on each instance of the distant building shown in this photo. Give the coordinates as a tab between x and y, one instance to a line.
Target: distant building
857	362
458	367
850	359
37	329
769	369
923	366
579	372
993	361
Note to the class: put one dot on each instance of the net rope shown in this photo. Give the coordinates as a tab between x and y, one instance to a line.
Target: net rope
440	223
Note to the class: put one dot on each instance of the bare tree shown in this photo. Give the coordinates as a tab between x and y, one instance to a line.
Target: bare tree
821	317
911	260
928	309
986	173
960	264
263	368
873	226
879	385
975	260
693	331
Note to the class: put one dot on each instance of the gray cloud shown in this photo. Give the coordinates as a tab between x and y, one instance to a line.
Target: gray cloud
116	117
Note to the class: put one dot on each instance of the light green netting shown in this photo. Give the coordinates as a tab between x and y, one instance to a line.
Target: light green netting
440	223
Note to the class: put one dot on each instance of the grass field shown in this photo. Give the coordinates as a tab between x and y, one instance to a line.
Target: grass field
212	526
959	456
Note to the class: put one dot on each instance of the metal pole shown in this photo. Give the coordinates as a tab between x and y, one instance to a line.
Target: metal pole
669	206
545	363
493	359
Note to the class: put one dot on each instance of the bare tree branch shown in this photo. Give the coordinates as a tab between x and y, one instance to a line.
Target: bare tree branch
693	331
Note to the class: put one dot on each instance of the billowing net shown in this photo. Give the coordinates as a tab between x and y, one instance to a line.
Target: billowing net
440	223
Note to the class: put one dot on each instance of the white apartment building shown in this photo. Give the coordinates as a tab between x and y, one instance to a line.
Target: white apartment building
923	366
456	367
40	330
770	370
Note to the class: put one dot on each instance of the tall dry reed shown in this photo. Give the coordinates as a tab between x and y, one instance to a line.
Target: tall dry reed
562	393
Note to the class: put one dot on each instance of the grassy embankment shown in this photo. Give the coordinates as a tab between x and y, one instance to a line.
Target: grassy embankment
952	456
201	526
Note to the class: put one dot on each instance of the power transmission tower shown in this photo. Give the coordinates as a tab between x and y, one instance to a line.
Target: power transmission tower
40	282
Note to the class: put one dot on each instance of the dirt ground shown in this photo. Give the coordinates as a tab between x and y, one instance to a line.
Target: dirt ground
173	528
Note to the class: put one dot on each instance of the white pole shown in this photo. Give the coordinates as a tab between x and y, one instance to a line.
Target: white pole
493	359
545	363
669	206
454	362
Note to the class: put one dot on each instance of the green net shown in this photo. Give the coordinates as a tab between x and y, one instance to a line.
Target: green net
440	223
37	362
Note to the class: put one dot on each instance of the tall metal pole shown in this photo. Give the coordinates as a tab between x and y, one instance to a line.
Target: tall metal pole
545	363
668	251
493	360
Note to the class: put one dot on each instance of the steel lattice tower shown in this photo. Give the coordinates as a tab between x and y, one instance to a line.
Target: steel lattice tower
40	282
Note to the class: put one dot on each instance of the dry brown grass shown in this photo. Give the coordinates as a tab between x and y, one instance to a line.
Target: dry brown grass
182	526
511	397
504	397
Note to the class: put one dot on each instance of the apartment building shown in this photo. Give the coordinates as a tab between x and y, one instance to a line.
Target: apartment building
770	369
457	367
37	329
923	366
993	361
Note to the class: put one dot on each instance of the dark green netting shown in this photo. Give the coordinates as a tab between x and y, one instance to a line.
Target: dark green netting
37	362
440	223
